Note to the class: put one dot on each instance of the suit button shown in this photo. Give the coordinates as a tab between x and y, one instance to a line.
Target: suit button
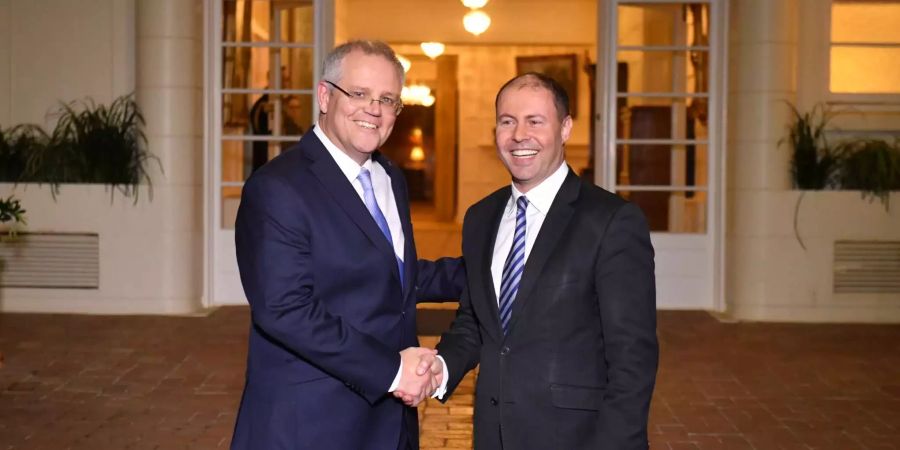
504	351
493	401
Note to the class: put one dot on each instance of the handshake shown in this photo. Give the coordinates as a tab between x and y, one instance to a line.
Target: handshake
422	375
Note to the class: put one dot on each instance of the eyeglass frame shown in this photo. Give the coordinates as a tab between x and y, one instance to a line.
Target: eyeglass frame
396	109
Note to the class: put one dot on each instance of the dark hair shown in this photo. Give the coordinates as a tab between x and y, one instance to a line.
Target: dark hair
534	79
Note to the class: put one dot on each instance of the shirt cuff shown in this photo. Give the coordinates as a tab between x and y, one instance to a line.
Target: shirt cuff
396	383
442	389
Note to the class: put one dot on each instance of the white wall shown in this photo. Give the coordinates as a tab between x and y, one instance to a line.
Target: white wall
63	50
152	252
779	53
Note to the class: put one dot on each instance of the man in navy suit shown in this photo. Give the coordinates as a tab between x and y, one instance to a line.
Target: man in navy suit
328	263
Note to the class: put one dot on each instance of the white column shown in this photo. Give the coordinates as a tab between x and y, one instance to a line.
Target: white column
762	71
169	90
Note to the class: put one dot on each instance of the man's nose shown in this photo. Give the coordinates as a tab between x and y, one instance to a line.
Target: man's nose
520	133
374	107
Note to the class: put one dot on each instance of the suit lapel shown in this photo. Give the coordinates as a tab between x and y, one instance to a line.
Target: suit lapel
487	239
558	218
329	174
398	186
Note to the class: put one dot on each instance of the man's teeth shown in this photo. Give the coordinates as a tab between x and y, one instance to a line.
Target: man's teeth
368	125
523	153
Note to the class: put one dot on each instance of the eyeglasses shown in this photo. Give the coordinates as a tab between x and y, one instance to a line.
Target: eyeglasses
361	99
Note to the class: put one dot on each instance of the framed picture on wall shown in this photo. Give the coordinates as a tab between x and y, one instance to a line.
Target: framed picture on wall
562	68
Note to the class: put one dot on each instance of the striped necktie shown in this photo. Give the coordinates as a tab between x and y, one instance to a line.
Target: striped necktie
514	266
365	178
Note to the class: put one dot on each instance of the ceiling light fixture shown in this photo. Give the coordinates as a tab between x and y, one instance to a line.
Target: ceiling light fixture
476	22
417	94
432	49
474	4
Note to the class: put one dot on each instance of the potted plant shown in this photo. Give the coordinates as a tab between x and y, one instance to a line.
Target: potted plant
92	144
814	164
17	144
873	167
12	216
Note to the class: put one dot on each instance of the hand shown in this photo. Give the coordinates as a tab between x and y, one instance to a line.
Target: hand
417	383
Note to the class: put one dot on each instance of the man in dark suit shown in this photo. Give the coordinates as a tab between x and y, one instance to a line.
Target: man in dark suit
560	307
328	263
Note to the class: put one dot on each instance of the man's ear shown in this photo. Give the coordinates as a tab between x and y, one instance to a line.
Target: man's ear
322	95
566	130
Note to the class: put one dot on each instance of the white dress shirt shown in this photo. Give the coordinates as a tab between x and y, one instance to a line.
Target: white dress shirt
381	184
539	198
384	196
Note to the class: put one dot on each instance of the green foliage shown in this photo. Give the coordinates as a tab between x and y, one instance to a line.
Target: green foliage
90	144
11	211
872	166
814	164
16	145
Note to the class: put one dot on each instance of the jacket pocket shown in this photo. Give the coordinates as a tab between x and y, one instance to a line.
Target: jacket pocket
576	397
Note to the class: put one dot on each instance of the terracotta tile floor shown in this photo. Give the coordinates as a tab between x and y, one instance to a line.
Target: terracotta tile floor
89	382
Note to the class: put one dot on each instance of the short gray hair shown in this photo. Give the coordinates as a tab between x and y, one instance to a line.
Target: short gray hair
331	69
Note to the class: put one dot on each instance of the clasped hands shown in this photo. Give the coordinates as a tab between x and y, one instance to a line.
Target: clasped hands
422	375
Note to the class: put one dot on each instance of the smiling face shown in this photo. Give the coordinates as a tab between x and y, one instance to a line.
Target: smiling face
358	130
530	136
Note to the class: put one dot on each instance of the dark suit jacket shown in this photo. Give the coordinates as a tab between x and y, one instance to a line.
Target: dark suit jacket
329	315
577	369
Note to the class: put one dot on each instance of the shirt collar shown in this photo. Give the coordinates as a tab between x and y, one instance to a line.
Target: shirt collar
542	195
347	165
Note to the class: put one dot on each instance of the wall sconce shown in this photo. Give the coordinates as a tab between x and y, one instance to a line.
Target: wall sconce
432	49
417	154
476	22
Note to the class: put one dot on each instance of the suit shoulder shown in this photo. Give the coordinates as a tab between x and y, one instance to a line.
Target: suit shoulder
596	195
486	204
604	206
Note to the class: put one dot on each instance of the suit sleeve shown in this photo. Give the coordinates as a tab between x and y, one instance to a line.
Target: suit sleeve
460	346
441	280
272	236
626	292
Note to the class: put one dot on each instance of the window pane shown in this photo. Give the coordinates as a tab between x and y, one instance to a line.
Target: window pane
231	199
266	114
297	21
268	21
868	70
662	118
865	21
663	24
245	67
661	165
663	71
674	212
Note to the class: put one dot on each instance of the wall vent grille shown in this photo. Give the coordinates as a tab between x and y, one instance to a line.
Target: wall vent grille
50	260
870	267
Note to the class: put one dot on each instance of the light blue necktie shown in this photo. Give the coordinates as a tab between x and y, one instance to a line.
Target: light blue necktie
365	178
514	266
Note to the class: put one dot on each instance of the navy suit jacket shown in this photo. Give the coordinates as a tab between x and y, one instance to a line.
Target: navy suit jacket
577	367
329	314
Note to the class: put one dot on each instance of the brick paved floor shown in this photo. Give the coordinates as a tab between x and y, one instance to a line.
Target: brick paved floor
87	382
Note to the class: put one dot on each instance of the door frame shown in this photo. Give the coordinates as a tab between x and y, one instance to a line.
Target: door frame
712	243
221	281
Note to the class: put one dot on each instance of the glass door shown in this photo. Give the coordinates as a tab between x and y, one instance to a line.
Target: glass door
662	135
263	66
